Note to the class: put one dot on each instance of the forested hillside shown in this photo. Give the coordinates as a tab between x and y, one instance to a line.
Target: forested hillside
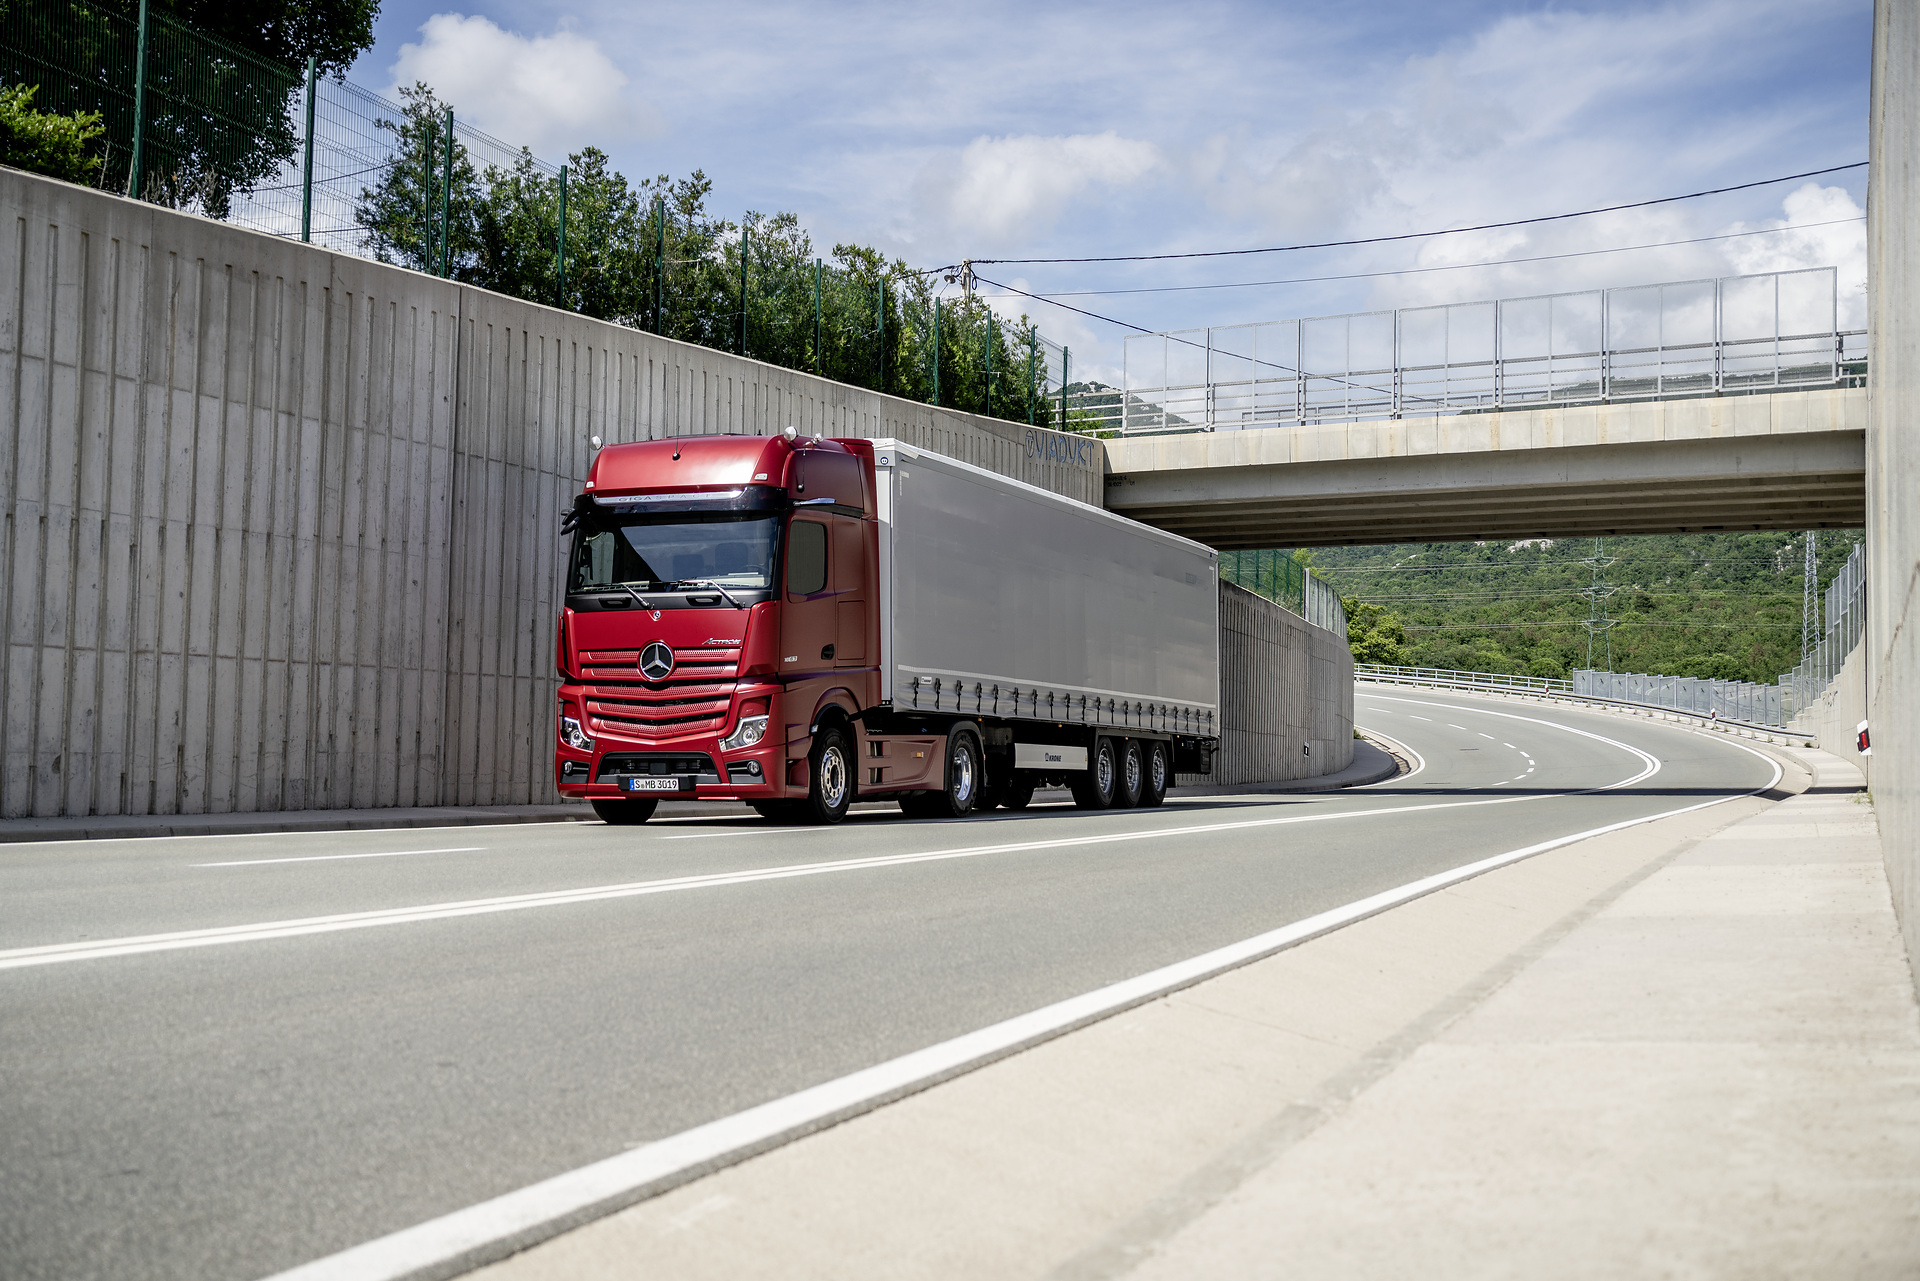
1719	605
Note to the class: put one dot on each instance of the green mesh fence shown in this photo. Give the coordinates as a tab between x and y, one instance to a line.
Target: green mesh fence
1275	575
230	135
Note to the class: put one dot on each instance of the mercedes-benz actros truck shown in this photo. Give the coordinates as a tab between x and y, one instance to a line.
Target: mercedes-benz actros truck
798	623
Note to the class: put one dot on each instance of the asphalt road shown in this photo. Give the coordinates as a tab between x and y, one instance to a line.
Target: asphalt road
337	1035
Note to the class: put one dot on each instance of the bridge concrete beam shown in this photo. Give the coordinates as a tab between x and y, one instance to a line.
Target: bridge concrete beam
1793	460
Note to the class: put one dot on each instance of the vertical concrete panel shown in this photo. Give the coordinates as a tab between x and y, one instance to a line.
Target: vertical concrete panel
1893	452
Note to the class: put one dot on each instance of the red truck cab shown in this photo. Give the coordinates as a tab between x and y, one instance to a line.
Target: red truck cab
718	639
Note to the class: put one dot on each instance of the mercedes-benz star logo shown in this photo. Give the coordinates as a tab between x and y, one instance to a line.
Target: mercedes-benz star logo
656	661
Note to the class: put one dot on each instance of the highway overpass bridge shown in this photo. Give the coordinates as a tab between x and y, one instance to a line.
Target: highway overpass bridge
1786	460
1721	404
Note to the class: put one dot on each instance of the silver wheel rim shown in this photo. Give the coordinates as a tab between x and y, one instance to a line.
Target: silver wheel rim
833	777
1133	770
1103	770
1159	771
962	773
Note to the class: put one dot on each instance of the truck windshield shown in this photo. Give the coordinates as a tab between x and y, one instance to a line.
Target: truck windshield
658	551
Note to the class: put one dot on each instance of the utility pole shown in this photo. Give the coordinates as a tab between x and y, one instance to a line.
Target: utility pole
1598	624
1810	601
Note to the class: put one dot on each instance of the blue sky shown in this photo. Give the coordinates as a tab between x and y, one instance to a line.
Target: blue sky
1019	131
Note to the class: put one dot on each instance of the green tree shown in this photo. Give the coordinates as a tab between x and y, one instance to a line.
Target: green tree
46	142
1373	634
401	211
332	32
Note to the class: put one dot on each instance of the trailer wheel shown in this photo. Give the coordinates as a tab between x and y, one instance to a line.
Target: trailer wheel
625	813
1158	775
830	790
1097	788
1019	793
1132	783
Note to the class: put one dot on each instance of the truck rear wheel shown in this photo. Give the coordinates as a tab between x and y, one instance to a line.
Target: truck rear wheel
625	813
1096	788
1159	774
964	776
1132	783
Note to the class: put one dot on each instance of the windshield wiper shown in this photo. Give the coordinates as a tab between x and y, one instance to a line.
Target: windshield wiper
708	582
644	602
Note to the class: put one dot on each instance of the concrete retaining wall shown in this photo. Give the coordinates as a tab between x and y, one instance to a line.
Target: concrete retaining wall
1285	685
282	525
1892	646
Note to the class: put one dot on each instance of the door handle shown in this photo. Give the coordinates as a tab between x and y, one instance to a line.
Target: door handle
826	651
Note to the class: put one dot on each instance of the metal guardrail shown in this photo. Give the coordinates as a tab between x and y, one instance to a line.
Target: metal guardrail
1387	675
1723	336
1558	691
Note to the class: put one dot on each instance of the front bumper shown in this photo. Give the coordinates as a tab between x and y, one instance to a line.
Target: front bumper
739	774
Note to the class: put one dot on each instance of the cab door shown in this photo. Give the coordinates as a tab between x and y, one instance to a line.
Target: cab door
807	614
852	591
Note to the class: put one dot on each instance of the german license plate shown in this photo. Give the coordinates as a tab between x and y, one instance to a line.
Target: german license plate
654	784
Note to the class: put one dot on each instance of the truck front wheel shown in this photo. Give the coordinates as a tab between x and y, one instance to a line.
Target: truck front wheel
830	767
623	813
1097	788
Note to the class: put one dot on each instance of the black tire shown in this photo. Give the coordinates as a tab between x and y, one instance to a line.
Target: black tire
1159	776
1132	780
1095	787
625	813
830	771
1019	793
964	777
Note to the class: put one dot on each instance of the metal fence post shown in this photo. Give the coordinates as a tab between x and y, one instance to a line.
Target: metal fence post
1066	367
306	167
936	351
816	316
1033	372
660	266
446	203
134	174
746	247
880	335
562	270
426	199
992	332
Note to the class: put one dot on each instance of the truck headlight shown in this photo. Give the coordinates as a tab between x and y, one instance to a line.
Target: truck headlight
573	736
750	731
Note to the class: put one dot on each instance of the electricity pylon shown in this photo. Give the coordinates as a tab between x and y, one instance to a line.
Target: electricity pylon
1598	624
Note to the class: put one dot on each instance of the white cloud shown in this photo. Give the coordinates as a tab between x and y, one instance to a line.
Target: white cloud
1817	231
553	92
1002	190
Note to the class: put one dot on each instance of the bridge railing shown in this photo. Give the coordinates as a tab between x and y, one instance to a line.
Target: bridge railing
1730	335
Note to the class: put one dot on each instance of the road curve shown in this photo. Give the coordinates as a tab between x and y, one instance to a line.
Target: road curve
226	1056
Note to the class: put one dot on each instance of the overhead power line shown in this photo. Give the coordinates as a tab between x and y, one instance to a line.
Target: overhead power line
1422	235
1455	266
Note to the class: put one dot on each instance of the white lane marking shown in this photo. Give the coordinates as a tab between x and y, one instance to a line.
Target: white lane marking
1487	736
421	830
491	1230
745	831
1509	745
1419	761
139	945
1451	725
1427	719
330	858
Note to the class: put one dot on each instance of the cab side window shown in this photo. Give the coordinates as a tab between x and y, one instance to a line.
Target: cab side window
806	558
